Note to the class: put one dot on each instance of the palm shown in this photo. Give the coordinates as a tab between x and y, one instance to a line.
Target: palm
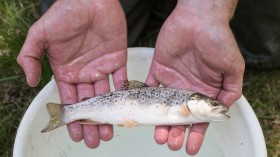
77	55
85	41
199	56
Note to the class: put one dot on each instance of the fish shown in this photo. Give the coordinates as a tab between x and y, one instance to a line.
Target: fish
138	104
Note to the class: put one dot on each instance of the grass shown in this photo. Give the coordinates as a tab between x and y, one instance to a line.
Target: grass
262	90
261	87
15	18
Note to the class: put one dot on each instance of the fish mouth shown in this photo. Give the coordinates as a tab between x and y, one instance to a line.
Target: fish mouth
222	110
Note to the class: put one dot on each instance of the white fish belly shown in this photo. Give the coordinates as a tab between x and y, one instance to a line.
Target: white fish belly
155	114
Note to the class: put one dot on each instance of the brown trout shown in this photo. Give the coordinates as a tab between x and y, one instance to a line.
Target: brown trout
138	104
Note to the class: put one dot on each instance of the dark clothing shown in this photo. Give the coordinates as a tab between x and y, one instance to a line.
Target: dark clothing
44	5
256	26
145	17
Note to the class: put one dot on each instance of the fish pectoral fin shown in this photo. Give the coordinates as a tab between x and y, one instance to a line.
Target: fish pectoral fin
184	111
89	122
126	85
129	123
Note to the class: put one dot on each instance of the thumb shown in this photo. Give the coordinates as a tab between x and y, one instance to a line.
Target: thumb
29	58
232	86
151	81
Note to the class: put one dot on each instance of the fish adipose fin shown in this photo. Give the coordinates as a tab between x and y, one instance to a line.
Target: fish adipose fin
54	111
126	85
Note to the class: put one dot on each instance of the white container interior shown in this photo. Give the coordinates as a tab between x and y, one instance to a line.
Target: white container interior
241	136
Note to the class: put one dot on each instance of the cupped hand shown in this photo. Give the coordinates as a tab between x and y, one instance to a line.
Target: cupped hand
196	51
85	41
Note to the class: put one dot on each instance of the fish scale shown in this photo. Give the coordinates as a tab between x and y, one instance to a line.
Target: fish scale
140	106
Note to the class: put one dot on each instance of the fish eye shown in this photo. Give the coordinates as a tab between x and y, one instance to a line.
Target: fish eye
196	97
215	103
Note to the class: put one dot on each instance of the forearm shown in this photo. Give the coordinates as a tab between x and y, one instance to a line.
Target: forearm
209	9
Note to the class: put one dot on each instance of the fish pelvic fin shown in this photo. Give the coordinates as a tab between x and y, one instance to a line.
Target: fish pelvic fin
54	111
129	123
126	85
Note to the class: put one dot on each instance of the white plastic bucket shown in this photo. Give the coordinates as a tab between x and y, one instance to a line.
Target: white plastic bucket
241	136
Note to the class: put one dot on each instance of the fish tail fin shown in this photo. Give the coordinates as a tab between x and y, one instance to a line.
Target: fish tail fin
54	111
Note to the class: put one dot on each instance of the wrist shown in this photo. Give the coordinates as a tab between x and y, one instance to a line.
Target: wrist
214	10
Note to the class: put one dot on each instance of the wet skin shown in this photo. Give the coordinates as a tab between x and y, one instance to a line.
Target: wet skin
86	41
196	50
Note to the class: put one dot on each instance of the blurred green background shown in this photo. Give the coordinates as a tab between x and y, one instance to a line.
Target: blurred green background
260	87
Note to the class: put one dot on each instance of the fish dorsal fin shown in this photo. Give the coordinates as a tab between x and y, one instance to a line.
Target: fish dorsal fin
126	85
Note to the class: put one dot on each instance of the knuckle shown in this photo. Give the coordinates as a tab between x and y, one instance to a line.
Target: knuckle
19	59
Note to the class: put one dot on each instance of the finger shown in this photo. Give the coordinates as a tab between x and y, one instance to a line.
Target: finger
119	76
68	95
29	57
151	81
105	131
90	132
161	134
91	136
85	91
176	137
195	138
102	86
75	131
232	85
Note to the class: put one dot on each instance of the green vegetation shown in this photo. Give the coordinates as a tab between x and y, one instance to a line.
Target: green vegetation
15	18
261	88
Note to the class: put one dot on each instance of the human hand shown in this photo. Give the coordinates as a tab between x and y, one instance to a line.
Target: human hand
196	50
85	41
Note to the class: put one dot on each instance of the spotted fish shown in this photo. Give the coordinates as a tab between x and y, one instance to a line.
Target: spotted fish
138	104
